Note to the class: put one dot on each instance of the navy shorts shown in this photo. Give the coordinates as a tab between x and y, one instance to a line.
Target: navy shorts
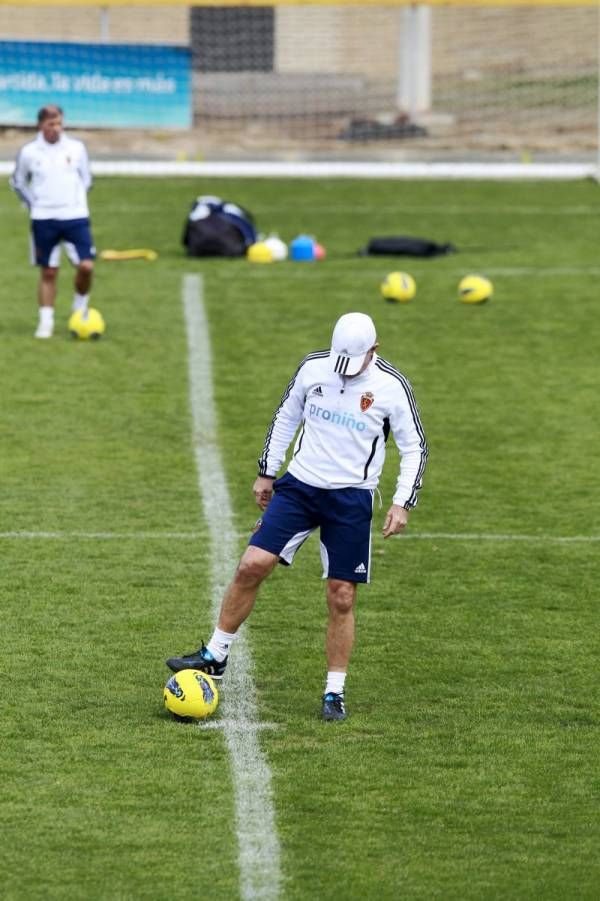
343	516
47	235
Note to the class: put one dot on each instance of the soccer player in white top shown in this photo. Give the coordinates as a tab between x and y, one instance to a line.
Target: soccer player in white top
341	405
52	177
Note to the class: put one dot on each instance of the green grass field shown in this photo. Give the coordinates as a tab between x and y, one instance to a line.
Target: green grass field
469	765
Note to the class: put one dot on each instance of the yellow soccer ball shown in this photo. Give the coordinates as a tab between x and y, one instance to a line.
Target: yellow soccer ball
88	324
260	252
191	694
398	286
475	289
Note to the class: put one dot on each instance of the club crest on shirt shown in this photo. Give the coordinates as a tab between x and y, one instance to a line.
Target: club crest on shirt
366	401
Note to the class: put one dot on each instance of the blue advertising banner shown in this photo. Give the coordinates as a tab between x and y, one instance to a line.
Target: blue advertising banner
100	85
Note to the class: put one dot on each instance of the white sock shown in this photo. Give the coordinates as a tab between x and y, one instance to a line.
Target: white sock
47	315
80	302
335	683
220	643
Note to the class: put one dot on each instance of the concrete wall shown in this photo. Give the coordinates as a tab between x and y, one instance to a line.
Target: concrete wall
127	24
348	40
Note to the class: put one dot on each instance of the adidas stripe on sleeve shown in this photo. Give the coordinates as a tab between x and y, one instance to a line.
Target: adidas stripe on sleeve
409	436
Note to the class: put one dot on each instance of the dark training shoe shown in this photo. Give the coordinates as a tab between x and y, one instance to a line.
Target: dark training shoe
201	659
333	707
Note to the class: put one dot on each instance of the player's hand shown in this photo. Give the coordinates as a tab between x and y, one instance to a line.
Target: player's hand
263	491
395	521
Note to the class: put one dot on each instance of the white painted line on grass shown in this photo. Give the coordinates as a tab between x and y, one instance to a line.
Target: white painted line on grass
238	725
365	275
345	169
483	536
339	169
106	536
196	536
540	270
259	854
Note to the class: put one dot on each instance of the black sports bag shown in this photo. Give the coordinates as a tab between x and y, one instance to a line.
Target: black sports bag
218	228
410	247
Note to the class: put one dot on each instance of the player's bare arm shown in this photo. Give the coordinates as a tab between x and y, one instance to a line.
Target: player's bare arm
395	521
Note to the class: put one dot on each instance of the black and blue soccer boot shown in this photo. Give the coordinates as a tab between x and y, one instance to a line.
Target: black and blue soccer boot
333	707
201	659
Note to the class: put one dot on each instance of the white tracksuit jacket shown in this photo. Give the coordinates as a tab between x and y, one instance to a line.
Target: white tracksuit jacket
53	179
345	423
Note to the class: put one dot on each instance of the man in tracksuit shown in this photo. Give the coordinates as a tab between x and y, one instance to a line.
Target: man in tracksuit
341	404
52	178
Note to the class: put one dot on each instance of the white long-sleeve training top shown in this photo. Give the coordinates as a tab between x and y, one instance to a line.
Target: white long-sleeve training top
53	179
345	423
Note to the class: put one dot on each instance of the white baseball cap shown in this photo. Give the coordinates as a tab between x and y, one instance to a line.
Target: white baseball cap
353	336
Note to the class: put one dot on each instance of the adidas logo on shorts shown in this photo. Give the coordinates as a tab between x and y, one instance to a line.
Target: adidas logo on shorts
361	568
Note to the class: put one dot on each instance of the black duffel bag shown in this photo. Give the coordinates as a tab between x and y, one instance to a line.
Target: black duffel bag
218	228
